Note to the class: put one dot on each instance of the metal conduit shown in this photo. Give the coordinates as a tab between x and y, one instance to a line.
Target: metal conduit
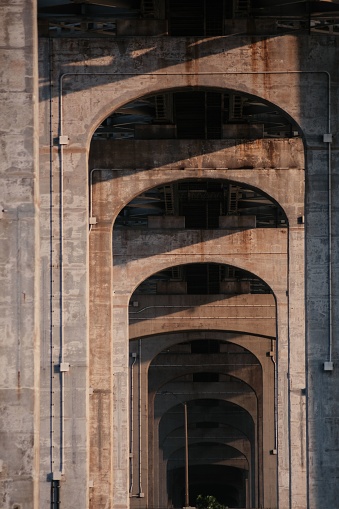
210	306
201	365
131	447
50	44
275	398
209	318
140	417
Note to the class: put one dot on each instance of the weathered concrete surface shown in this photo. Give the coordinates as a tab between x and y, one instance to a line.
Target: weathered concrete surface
162	366
173	154
254	314
249	65
19	258
113	189
147	350
141	253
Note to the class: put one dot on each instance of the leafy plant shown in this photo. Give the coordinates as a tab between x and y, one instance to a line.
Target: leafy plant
208	502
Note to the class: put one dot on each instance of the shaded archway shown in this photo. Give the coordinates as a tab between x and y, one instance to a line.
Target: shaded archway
202	204
197	364
208	374
197	113
142	250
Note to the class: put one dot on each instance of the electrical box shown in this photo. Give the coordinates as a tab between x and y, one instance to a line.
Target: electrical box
63	140
327	138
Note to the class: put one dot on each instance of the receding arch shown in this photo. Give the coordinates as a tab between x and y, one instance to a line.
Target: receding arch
138	255
233	443
170	391
204	204
163	104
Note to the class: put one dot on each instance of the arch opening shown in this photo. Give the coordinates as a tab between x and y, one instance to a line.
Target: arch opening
179	270
197	113
202	204
224	387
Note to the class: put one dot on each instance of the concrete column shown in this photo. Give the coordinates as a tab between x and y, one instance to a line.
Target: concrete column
248	497
19	257
153	446
120	423
100	367
282	398
322	386
268	429
163	491
297	382
100	345
139	429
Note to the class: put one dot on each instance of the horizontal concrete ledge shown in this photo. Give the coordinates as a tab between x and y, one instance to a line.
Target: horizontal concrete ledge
231	153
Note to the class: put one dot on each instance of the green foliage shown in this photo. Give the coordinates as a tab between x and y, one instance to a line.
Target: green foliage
208	502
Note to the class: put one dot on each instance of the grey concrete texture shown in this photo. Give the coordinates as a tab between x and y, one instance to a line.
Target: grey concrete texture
92	324
19	211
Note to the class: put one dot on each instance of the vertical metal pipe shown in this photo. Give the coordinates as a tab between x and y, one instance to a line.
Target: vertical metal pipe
61	284
275	395
140	417
51	286
131	446
187	497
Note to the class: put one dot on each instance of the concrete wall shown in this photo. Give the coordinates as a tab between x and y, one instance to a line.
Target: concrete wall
107	201
88	418
19	258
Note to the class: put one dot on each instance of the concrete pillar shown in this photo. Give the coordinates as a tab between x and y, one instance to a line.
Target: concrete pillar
283	415
322	386
268	427
139	428
120	423
100	348
297	367
19	258
100	368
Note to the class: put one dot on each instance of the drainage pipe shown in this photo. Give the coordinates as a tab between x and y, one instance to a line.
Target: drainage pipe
140	426
61	301
134	357
50	46
275	396
211	306
330	249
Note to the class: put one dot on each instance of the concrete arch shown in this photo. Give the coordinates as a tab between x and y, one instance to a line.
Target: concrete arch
229	251
217	363
241	379
243	426
109	196
247	400
171	443
154	345
232	434
115	93
173	385
200	459
213	177
273	183
225	435
210	87
217	454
